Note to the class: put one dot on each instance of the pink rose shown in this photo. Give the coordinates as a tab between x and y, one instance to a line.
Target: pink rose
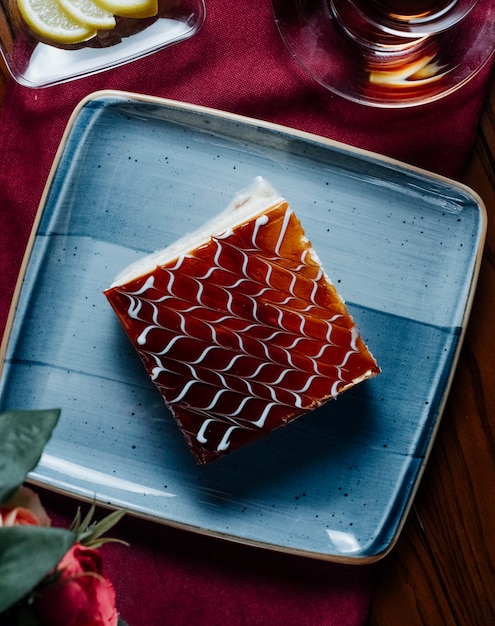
24	508
80	595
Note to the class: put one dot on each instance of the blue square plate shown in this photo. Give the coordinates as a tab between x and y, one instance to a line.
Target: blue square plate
403	246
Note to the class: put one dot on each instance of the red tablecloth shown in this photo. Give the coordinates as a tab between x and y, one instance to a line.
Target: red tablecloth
238	63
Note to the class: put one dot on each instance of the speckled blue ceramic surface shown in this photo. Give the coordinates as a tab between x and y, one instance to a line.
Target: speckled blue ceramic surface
403	247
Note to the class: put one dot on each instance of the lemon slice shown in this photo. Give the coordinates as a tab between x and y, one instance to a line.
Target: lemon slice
47	20
129	8
87	13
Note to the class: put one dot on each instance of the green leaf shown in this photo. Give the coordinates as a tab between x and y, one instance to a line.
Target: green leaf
92	534
84	523
23	435
27	555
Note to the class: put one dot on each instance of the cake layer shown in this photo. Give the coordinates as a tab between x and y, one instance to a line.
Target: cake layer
239	326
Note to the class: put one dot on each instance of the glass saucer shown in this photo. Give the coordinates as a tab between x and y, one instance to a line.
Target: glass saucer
425	70
36	64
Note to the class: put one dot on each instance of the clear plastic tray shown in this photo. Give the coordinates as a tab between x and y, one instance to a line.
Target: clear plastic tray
36	64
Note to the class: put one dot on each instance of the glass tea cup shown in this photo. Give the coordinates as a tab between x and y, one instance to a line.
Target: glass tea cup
410	18
389	53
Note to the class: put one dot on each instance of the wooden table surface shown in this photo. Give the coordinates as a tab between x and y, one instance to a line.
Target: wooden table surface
442	570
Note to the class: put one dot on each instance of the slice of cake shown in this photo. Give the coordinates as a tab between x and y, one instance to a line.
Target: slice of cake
239	326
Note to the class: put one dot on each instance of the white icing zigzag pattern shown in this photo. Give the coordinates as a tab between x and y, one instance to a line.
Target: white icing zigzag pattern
238	335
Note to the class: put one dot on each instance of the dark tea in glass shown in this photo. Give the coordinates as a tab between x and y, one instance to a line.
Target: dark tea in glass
389	53
415	16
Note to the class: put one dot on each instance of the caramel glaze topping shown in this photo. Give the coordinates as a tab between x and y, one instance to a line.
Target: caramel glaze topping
243	334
